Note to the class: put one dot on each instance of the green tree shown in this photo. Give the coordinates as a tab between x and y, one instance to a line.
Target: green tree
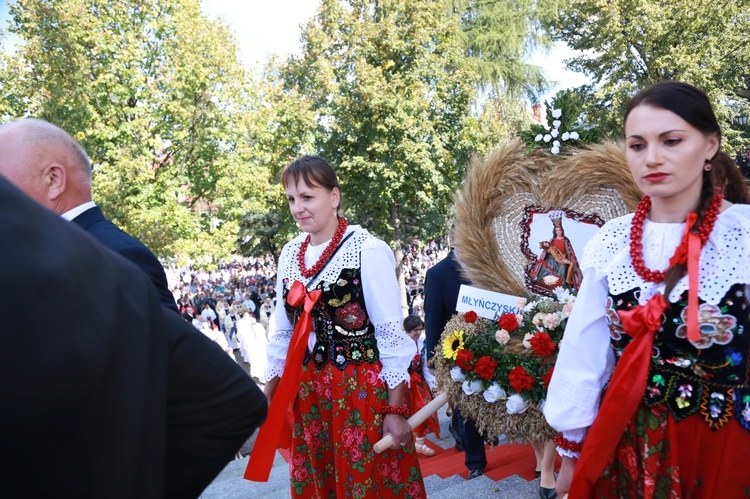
630	44
155	93
498	37
390	90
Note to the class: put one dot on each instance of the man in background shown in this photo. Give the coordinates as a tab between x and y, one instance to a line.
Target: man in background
54	170
121	400
441	288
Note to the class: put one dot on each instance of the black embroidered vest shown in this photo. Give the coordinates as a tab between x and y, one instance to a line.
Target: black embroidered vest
343	329
710	376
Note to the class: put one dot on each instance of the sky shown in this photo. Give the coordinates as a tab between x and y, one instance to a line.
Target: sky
267	27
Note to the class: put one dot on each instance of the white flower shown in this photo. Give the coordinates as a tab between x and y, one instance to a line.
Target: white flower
556	113
494	393
562	294
551	321
457	375
551	280
502	336
554	132
516	404
574	135
565	136
556	123
530	306
547	137
556	143
555	150
538	138
471	387
527	340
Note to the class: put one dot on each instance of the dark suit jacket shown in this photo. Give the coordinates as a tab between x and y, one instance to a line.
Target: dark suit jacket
119	241
103	393
441	286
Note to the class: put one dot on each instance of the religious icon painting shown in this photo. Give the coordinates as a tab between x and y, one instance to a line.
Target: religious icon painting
553	242
523	218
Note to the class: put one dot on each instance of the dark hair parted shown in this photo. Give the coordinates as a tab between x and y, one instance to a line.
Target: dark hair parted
693	105
412	322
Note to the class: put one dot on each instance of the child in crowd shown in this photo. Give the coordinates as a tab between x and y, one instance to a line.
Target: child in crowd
419	393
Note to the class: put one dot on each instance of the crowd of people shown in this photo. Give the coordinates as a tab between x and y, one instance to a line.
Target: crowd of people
651	391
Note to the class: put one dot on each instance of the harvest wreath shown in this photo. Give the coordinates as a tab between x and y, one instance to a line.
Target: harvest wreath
497	371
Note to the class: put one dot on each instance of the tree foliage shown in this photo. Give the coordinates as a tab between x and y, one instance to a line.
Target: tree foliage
498	37
391	92
155	94
628	45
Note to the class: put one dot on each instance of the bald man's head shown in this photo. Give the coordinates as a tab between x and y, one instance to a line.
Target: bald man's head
46	163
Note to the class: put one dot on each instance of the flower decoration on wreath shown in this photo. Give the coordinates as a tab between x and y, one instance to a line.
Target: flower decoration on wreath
503	366
567	129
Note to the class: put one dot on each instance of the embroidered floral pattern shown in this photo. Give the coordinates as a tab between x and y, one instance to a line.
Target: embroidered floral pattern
642	465
715	327
351	316
335	427
709	376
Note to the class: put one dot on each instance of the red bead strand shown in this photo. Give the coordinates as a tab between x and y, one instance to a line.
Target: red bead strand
636	235
337	237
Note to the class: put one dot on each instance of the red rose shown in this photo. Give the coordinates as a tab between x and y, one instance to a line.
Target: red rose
470	317
547	377
465	359
520	379
542	344
485	367
508	321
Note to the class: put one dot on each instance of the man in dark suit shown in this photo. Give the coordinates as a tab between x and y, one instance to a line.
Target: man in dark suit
441	287
52	168
119	400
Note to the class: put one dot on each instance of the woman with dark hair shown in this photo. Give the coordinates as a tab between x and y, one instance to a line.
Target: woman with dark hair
666	294
338	359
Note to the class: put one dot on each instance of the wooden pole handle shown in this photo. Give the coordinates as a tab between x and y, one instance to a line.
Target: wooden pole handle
415	420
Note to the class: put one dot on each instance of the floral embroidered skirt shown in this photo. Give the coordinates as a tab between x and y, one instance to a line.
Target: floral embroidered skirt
336	424
417	396
658	457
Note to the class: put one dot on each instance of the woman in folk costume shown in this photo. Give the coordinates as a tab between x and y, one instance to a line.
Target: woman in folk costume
667	314
338	356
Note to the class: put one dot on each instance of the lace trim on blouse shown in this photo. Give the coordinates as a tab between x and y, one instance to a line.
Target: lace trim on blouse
724	259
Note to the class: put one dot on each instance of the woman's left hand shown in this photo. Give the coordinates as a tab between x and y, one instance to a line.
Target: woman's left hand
399	430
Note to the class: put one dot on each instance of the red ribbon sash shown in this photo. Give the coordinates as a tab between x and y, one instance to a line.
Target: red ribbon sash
276	431
626	388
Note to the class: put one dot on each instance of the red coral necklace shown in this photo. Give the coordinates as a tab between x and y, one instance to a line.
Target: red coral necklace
636	237
335	240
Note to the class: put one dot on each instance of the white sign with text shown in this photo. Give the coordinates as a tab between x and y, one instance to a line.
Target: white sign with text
487	304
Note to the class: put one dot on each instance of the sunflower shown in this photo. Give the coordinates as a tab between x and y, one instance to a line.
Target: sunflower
452	344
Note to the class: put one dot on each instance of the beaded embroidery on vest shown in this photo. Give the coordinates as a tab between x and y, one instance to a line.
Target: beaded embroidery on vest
710	376
344	333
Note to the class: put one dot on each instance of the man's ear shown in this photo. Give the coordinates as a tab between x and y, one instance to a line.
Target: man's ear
55	180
